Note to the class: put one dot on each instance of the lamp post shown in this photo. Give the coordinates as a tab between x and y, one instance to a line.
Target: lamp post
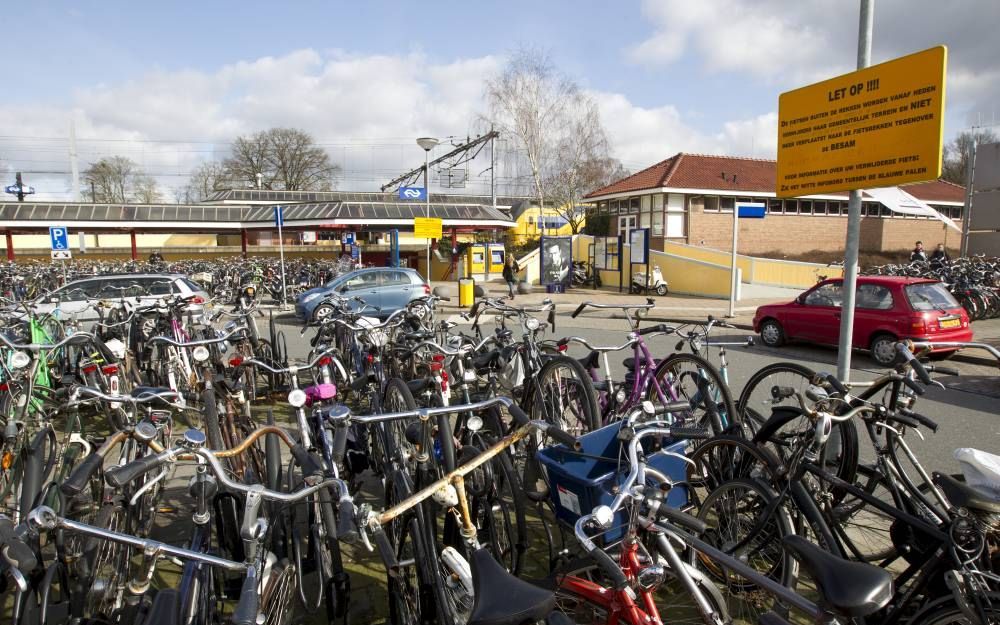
428	144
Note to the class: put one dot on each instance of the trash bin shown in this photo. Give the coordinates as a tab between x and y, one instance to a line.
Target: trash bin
466	291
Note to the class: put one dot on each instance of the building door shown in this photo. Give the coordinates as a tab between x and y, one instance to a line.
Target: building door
626	224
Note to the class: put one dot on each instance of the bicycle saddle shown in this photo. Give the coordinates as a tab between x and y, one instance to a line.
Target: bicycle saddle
419	385
165	608
591	360
961	495
501	598
630	363
849	588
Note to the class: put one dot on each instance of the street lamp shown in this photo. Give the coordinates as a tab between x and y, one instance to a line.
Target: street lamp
428	144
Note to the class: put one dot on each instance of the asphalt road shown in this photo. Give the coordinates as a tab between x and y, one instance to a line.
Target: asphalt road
966	419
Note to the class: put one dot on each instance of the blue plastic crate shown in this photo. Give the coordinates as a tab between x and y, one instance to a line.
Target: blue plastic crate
582	480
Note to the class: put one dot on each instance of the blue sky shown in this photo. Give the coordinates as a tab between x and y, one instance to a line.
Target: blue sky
670	75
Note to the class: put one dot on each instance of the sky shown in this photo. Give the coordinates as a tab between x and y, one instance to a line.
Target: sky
170	84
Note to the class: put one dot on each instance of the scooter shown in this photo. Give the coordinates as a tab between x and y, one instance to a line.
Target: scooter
656	282
584	275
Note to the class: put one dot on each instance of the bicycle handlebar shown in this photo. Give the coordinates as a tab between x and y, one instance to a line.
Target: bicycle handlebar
73	339
170	341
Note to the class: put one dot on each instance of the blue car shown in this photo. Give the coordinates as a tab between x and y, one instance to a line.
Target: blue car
386	288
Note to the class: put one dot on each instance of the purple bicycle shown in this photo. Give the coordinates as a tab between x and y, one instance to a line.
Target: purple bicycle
679	377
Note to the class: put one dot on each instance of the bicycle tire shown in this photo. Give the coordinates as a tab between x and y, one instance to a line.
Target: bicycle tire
691	391
542	402
945	611
739	502
210	415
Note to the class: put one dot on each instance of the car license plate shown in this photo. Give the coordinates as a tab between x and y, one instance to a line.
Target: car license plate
954	322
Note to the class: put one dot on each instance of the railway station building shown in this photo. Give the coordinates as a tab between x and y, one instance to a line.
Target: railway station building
689	198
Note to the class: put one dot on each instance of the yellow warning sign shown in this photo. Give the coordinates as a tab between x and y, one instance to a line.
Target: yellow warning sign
877	127
427	227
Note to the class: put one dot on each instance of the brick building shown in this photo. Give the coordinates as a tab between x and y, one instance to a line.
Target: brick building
689	198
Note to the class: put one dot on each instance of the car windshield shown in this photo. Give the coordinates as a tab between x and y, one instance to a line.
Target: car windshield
930	296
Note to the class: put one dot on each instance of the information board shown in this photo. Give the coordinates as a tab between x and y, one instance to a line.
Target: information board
427	227
639	242
876	127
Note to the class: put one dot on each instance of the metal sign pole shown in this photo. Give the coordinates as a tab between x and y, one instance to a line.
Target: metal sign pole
280	218
853	219
733	277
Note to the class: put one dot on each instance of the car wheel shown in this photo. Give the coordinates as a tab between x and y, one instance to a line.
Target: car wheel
771	333
883	350
661	290
322	312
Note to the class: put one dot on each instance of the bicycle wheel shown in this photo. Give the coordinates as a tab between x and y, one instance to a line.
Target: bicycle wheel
673	601
865	530
562	394
735	514
389	439
276	597
756	401
412	595
497	505
946	611
689	377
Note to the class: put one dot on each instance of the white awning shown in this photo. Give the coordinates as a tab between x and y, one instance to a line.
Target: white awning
899	201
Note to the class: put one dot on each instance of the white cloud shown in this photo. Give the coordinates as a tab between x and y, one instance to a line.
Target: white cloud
643	136
366	109
765	38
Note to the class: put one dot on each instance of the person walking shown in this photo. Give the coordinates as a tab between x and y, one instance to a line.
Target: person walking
510	269
918	254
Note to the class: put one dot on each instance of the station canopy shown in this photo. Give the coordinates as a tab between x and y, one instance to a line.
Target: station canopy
251	209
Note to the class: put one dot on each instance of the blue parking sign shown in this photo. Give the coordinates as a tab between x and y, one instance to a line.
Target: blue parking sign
59	236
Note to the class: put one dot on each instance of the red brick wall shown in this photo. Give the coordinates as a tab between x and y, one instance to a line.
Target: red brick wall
796	234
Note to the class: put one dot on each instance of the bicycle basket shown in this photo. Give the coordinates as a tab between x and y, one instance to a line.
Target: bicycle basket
579	481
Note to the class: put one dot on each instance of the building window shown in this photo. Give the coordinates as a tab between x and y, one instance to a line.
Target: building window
711	203
819	207
726	204
633	204
657	223
643	220
644	203
602	208
657	202
626	224
805	207
884	211
956	212
791	207
775	207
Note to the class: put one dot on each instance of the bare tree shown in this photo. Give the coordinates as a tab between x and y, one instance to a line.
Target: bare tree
119	180
527	101
956	153
205	180
286	159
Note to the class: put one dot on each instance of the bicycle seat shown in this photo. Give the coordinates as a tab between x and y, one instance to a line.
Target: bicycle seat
501	598
849	588
420	385
630	363
961	495
165	608
591	360
481	361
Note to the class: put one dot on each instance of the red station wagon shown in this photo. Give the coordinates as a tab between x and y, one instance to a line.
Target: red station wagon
887	309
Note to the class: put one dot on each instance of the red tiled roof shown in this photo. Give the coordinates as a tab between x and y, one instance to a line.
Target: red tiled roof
936	191
702	171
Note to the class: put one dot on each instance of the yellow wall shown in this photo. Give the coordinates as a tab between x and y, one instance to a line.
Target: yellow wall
773	272
685	275
527	226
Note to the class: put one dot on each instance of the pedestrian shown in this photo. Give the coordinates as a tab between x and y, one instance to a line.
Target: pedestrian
156	258
940	255
510	269
918	254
